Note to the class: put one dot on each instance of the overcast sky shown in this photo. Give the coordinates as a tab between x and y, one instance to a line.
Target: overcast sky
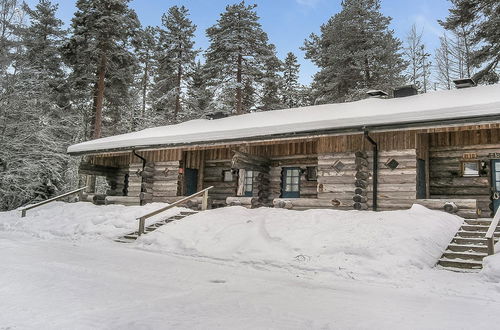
289	22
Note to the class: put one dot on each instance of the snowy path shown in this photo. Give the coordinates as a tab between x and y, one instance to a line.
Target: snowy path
102	285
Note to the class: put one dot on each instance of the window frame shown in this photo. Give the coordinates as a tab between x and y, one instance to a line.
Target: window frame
466	161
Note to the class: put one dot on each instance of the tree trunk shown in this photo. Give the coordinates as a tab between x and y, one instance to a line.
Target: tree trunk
144	88
100	96
178	95
239	96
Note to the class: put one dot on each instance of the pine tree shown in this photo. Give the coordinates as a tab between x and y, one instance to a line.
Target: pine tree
291	86
237	58
40	121
479	20
147	41
199	95
175	59
355	52
103	66
271	85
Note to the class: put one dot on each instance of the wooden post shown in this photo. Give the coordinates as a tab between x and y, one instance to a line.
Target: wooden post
204	202
491	245
23	213
142	222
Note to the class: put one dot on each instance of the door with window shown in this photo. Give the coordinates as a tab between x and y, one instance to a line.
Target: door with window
290	182
495	183
248	184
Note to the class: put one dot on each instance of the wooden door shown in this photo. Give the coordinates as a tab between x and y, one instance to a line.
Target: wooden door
191	179
421	179
495	183
290	182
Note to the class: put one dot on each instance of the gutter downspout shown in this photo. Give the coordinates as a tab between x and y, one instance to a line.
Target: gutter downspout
375	168
143	166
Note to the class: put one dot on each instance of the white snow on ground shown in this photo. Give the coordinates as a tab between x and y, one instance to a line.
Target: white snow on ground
349	243
234	268
491	266
75	220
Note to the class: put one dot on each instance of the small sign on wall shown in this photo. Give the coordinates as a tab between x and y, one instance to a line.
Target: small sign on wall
469	155
494	155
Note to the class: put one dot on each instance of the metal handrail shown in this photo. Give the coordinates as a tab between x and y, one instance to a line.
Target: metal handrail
490	234
23	210
204	206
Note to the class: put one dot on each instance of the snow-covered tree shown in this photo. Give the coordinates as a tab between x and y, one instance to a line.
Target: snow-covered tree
175	59
291	86
355	51
199	94
477	24
40	120
270	98
103	65
237	58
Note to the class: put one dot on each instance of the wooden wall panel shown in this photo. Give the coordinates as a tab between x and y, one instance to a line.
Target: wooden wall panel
308	189
446	180
397	140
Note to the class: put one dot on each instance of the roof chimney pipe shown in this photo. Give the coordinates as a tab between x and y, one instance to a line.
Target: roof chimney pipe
464	83
404	91
377	93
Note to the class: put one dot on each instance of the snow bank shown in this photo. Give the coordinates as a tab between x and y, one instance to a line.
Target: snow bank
491	266
348	243
76	220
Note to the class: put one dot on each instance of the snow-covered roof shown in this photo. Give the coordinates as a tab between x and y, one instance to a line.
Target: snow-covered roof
468	103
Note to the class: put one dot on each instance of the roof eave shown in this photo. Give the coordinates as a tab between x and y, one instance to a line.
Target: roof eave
315	133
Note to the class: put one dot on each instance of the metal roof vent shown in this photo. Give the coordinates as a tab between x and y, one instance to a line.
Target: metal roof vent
377	93
404	91
464	83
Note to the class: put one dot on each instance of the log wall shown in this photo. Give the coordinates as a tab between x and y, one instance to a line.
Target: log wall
307	188
165	180
446	180
397	189
213	176
337	185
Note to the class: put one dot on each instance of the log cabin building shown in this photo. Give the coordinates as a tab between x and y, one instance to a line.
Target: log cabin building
441	149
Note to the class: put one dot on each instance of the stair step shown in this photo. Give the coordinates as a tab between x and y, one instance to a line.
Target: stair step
476	234
131	236
469	240
479	228
467	247
477	256
483	222
460	263
186	213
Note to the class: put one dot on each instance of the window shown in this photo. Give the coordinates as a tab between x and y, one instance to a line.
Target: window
311	173
470	168
248	183
291	182
228	175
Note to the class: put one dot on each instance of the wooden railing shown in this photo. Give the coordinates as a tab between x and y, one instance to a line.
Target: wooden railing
23	210
204	206
490	234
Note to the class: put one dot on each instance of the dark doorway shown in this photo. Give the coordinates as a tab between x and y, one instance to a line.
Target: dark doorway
495	183
191	177
421	179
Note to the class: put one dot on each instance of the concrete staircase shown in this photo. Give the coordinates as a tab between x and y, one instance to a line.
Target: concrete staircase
468	248
129	238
